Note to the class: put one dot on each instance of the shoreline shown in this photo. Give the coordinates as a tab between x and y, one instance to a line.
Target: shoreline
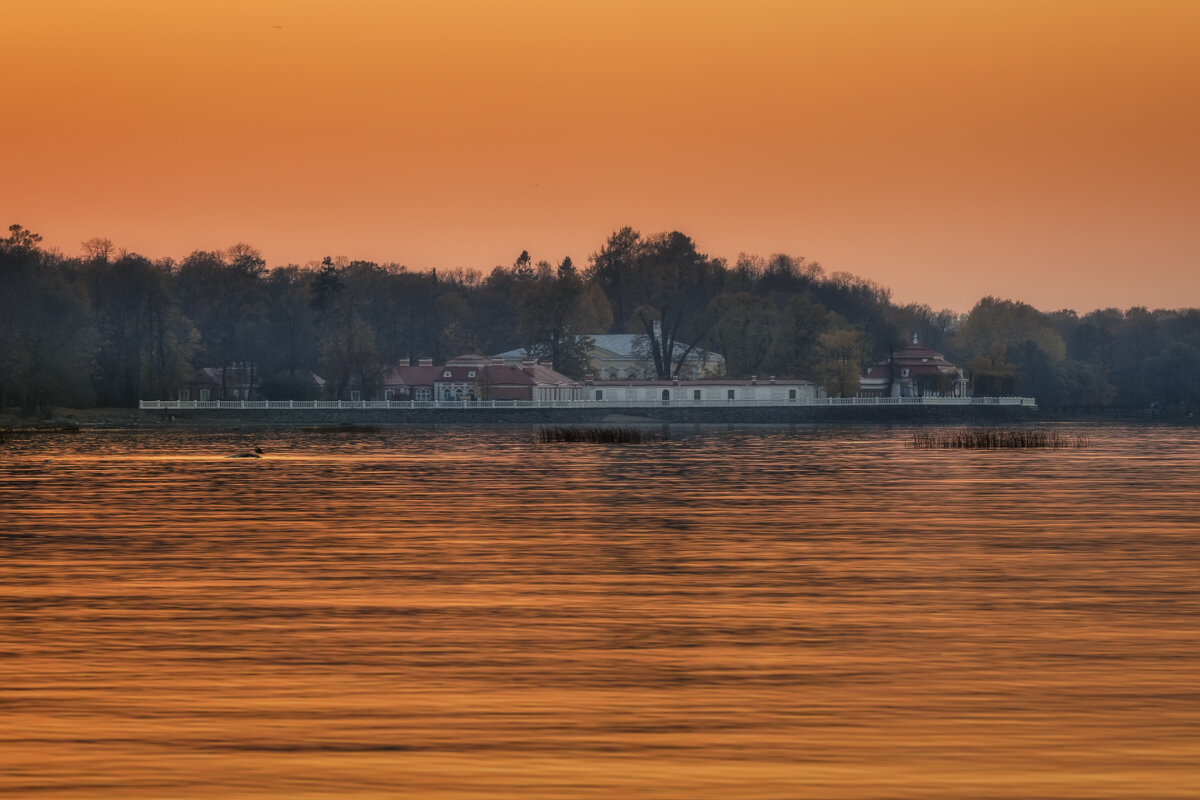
66	420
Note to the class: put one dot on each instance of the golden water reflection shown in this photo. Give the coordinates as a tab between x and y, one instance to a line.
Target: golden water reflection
463	613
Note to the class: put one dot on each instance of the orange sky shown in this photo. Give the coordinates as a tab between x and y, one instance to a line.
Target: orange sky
1044	151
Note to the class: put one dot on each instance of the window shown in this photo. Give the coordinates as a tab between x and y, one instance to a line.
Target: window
389	394
205	394
471	374
446	374
424	393
666	395
791	394
185	395
599	394
695	394
729	394
355	395
235	394
904	372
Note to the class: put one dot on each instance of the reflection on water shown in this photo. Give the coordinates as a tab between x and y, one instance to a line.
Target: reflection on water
464	613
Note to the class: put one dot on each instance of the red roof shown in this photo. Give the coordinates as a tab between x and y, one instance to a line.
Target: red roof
500	376
917	359
493	375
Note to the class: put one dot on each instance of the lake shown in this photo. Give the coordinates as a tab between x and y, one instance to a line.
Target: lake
466	613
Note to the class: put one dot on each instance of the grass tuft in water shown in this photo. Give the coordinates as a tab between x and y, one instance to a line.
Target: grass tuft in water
597	435
994	439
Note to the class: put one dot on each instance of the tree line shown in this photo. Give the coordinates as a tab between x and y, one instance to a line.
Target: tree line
111	327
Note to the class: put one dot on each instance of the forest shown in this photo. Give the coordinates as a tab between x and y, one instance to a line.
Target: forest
109	327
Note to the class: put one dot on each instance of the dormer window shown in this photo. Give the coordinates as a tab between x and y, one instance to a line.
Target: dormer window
904	373
471	374
446	374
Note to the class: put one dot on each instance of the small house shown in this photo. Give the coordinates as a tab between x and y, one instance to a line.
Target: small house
914	370
236	382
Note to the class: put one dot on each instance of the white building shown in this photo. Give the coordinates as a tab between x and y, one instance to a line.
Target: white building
703	392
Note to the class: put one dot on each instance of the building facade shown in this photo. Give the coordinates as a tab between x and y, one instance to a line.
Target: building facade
236	382
707	392
474	377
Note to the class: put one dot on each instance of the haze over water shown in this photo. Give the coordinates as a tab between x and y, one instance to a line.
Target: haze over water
464	613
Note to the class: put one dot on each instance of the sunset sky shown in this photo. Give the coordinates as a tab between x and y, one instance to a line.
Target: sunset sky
1042	151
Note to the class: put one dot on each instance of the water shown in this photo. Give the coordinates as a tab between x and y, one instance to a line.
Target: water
464	613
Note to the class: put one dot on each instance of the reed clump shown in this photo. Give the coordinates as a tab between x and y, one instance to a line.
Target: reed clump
995	439
597	435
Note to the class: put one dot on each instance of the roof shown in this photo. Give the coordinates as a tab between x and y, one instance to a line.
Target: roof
492	374
507	375
544	375
916	358
622	345
637	345
405	375
207	375
627	345
212	375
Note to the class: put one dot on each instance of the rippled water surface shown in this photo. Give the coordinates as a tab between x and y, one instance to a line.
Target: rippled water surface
464	613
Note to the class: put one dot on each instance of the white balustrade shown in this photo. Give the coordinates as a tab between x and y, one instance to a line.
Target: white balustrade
355	405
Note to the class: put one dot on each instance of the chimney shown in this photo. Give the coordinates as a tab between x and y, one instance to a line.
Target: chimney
753	380
425	362
497	361
772	379
529	362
